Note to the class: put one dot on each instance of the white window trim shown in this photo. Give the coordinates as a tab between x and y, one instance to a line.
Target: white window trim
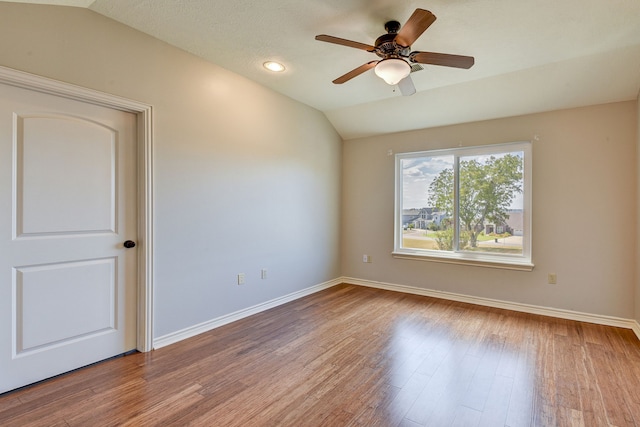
511	262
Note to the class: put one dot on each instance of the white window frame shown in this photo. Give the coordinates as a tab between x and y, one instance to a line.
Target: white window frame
506	261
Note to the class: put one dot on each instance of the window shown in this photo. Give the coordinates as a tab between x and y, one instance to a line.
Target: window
465	205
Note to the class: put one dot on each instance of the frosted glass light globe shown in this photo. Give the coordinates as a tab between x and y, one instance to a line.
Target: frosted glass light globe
392	70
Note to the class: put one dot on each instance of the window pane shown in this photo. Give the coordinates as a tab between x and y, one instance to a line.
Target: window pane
427	203
491	203
467	205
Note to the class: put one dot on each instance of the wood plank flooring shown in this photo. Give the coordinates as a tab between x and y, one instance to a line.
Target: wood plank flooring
353	356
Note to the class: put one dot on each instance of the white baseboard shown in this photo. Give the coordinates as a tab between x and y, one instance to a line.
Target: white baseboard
515	306
192	331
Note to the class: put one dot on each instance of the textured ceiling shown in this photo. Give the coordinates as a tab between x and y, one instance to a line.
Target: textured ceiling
530	56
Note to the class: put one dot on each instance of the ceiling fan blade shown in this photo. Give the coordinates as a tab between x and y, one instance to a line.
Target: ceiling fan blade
444	59
415	26
406	86
345	42
355	72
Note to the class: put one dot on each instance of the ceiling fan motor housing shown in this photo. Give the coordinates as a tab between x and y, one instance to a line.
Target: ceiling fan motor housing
386	46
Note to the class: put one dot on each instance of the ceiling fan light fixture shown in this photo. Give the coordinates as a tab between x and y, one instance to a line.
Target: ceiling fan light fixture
274	66
392	70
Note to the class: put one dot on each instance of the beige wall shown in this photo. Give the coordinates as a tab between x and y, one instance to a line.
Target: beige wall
245	178
584	210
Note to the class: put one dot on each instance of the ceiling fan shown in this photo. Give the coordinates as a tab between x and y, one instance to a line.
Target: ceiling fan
395	50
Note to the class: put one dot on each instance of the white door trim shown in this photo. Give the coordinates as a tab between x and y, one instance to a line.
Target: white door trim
145	179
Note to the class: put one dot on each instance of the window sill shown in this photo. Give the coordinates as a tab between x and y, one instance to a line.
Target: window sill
502	263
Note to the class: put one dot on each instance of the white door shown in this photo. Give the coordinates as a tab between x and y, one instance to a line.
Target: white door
67	205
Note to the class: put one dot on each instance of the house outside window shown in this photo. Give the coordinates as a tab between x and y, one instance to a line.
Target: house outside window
467	205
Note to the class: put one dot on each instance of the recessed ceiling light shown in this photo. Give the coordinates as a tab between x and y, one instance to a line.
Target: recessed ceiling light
273	66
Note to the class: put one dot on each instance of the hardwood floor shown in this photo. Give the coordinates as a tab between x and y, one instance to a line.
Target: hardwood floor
353	356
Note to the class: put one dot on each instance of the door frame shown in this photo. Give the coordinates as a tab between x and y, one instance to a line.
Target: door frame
144	142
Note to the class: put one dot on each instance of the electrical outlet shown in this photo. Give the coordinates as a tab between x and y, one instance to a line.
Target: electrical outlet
241	279
263	273
366	258
552	278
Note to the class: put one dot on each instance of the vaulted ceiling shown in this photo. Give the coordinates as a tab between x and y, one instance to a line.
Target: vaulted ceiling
530	56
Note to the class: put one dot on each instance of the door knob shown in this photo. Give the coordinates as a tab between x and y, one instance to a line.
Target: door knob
129	244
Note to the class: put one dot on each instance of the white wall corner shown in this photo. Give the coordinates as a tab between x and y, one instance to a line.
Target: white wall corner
506	305
200	328
636	328
637	284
